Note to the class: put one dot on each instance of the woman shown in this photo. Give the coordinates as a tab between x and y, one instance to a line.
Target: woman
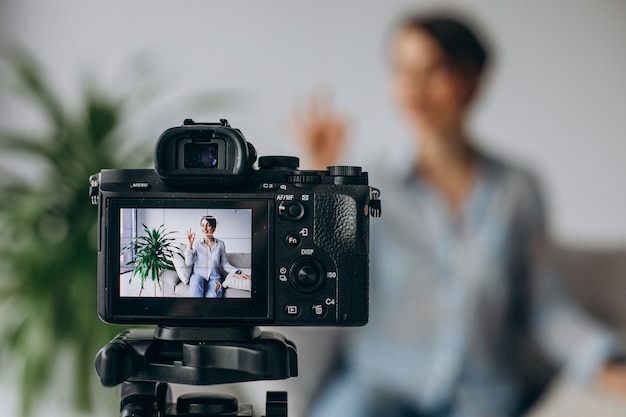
455	284
207	256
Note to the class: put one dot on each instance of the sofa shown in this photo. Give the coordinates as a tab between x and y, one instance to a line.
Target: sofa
595	277
176	281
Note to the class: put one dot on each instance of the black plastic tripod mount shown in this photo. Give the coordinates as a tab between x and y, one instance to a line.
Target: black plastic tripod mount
144	361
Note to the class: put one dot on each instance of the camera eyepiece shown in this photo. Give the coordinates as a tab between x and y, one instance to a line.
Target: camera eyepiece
203	153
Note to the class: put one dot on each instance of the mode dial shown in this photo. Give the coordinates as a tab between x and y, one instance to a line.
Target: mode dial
344	171
279	161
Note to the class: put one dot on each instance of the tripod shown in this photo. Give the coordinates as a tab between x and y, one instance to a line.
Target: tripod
145	361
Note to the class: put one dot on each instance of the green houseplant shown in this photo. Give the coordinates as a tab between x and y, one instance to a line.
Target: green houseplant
48	231
152	254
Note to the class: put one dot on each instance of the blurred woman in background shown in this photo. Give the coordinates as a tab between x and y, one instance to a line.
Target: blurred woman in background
456	286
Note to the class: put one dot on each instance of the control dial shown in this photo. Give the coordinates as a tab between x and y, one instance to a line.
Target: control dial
304	179
273	162
307	275
344	171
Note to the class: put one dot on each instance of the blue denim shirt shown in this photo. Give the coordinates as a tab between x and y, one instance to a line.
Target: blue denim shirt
450	295
206	261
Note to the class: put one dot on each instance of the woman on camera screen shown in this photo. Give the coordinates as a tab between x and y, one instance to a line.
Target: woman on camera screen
207	256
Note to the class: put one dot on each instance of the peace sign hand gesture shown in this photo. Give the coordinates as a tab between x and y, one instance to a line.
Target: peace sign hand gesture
190	237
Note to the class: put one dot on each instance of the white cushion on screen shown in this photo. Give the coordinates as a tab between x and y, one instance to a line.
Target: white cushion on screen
183	271
238	283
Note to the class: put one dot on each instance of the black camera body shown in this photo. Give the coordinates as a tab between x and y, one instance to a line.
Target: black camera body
294	244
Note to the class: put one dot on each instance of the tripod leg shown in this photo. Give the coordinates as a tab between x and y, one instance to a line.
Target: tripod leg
276	404
138	399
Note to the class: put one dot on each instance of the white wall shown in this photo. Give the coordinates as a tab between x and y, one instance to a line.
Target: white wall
556	98
234	226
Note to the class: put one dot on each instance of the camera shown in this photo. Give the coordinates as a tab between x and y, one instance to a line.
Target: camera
209	246
213	237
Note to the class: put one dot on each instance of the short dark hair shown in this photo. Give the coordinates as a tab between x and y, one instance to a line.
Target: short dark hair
210	219
461	44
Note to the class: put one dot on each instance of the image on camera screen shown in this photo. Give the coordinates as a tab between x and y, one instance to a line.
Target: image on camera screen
185	252
201	155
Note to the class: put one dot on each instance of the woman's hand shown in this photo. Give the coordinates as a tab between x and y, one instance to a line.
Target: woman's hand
242	276
613	378
190	237
321	130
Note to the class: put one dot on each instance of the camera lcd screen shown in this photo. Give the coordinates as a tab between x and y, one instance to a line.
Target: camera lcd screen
201	155
187	260
202	253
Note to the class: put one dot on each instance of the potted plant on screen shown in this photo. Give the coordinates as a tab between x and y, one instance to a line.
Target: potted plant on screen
151	254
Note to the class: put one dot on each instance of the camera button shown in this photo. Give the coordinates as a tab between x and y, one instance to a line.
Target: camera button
268	186
139	185
292	211
295	210
292	310
292	240
319	310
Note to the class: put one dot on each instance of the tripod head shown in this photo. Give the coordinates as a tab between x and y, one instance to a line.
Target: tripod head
144	361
